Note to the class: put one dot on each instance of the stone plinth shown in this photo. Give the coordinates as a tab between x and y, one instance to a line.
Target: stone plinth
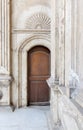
5	89
54	84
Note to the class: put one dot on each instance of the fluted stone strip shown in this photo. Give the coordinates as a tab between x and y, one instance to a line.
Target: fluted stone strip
54	38
61	41
5	35
67	42
74	35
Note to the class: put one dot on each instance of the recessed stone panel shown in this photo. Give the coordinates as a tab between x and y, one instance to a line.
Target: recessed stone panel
4	95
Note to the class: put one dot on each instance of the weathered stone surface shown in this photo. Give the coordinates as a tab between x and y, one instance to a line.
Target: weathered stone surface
55	24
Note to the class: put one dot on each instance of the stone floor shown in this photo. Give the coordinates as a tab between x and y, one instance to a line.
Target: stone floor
30	118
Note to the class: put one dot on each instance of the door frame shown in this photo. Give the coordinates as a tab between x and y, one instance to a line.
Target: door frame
38	40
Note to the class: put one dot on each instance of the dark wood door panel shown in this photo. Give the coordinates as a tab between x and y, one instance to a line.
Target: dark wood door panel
39	91
38	77
39	64
39	71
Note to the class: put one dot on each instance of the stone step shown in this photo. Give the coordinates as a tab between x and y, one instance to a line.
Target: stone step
78	106
79	97
79	101
5	109
51	124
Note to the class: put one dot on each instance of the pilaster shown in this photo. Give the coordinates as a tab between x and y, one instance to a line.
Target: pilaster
74	35
68	17
5	36
5	53
61	42
54	39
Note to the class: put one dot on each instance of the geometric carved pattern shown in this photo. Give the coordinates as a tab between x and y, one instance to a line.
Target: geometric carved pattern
38	21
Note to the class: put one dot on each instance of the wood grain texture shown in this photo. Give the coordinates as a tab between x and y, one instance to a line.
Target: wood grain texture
39	71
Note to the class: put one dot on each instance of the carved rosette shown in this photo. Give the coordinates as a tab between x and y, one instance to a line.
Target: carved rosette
38	21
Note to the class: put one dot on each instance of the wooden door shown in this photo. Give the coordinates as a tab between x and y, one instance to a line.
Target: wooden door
39	71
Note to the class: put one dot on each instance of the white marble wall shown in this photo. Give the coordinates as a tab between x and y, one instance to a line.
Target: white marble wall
25	35
20	31
68	39
70	116
5	77
80	39
18	7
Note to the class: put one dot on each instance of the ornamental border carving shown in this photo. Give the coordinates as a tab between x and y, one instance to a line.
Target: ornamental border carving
40	13
35	40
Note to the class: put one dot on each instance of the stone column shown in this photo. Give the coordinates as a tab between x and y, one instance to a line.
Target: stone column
53	82
61	42
5	52
54	39
5	36
67	43
74	35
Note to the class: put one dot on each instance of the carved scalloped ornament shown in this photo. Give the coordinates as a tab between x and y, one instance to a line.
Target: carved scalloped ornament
38	21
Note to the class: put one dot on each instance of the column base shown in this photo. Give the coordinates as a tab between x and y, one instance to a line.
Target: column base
5	89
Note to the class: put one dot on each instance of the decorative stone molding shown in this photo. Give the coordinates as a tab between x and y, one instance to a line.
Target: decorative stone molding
36	17
32	29
29	31
38	21
35	37
35	40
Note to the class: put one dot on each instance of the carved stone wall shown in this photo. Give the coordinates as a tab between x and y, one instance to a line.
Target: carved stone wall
5	52
5	36
33	29
57	25
69	114
28	25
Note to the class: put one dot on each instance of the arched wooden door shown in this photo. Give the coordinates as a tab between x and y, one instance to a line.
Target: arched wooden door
38	72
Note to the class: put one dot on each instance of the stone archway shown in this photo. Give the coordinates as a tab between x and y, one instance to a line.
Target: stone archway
33	29
22	64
